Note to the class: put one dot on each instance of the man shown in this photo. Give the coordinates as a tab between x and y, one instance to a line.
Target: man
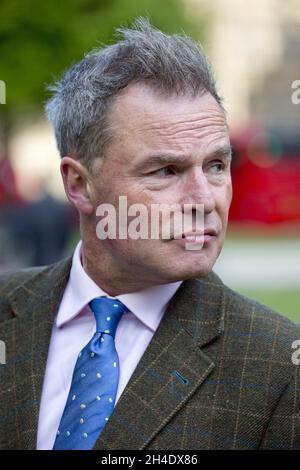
196	365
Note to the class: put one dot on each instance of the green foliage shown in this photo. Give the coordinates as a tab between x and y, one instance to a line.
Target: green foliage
39	39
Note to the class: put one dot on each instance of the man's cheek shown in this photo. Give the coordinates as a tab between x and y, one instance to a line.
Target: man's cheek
225	200
230	194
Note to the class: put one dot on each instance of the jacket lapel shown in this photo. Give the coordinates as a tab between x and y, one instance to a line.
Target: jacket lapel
172	367
27	336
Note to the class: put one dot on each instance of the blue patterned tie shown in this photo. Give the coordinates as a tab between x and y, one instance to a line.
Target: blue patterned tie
95	381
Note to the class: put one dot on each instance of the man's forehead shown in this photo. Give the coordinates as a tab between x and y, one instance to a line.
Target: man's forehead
140	107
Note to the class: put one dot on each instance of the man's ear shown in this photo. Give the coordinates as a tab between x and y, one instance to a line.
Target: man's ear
77	184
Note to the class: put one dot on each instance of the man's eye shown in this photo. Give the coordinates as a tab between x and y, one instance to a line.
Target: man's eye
165	171
218	167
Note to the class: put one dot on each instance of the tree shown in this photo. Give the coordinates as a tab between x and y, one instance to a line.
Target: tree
38	40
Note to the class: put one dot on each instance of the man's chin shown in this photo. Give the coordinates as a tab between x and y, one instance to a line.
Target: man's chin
202	272
183	273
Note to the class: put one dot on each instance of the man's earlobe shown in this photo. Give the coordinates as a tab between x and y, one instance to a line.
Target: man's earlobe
76	184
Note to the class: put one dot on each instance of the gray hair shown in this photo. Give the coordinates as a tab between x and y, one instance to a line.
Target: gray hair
78	109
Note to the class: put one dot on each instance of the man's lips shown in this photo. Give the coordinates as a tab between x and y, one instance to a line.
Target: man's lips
211	232
197	233
197	236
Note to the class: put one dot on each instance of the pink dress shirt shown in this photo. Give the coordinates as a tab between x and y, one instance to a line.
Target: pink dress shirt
75	325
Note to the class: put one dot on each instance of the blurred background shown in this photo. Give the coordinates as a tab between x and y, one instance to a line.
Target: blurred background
254	50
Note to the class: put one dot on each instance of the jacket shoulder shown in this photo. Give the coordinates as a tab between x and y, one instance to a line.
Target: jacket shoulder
245	308
35	279
11	280
260	331
252	324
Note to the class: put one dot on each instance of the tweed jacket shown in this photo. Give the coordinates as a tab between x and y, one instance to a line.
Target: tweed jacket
217	373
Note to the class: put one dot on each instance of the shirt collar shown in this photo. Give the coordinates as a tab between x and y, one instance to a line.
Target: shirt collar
148	305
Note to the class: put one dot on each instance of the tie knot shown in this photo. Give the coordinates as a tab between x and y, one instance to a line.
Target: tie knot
108	313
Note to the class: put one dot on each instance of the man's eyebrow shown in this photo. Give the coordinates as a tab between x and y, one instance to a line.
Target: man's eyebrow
171	159
164	159
225	151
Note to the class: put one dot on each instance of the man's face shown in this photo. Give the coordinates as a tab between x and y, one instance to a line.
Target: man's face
166	150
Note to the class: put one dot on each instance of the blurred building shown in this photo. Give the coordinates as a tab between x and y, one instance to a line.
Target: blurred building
254	49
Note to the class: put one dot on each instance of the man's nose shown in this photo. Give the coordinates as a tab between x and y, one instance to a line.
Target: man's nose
198	190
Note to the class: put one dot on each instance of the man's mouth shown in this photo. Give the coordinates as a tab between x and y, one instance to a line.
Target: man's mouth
197	236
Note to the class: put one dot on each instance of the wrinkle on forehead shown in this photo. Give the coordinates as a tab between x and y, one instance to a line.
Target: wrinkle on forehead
198	126
181	128
183	134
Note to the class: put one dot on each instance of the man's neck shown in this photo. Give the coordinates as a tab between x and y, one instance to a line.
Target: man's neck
113	281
